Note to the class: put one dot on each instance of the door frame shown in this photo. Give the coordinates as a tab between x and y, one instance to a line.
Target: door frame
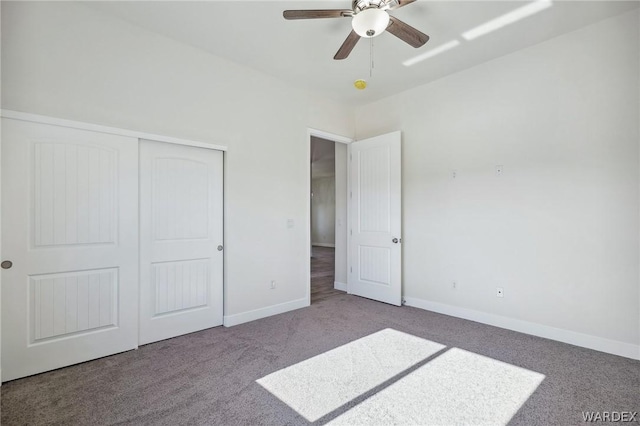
43	119
336	139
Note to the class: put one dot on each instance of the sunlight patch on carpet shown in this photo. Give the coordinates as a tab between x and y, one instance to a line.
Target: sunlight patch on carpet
320	385
457	387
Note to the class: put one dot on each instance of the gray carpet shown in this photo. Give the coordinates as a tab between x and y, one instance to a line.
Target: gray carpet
211	377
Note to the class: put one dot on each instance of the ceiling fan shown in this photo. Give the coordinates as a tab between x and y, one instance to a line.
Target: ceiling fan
370	18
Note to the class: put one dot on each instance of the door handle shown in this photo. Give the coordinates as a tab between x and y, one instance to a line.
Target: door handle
7	264
395	241
220	248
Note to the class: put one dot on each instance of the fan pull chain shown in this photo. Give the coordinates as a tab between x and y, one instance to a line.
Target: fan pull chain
371	58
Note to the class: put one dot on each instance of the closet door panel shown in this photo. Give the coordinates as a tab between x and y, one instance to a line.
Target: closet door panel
70	230
180	241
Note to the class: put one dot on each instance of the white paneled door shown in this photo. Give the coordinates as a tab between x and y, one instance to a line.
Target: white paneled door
69	245
181	254
375	253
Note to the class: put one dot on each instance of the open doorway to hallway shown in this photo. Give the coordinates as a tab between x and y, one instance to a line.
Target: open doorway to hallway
328	194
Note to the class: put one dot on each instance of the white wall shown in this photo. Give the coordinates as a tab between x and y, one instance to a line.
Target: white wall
341	216
323	211
66	60
559	229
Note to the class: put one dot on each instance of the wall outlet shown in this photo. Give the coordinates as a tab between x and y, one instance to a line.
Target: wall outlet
454	285
499	292
454	174
273	285
290	223
499	170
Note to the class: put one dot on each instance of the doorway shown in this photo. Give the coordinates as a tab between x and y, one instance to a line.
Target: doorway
368	261
328	218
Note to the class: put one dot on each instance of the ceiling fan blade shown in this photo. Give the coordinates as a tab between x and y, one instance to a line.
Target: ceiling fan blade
347	46
399	3
407	33
315	14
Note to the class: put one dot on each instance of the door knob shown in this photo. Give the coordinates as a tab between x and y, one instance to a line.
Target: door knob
7	264
395	241
220	248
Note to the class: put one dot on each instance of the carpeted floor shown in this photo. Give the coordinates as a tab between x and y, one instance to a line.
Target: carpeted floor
322	274
210	377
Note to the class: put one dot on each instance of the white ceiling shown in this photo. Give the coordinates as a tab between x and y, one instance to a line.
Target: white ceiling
255	34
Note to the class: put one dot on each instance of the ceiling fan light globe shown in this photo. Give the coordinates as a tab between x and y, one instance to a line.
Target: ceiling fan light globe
370	22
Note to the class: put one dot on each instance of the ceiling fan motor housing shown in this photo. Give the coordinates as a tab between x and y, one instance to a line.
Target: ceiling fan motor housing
360	5
370	19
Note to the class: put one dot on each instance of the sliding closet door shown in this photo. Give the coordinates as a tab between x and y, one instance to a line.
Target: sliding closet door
69	244
180	240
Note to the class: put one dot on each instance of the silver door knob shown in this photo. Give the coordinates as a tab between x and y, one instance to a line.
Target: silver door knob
7	264
395	241
220	248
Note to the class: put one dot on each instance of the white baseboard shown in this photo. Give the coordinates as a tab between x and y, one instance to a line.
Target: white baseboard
231	320
339	286
323	245
614	347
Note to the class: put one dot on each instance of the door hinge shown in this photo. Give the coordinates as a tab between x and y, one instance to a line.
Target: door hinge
351	194
351	268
